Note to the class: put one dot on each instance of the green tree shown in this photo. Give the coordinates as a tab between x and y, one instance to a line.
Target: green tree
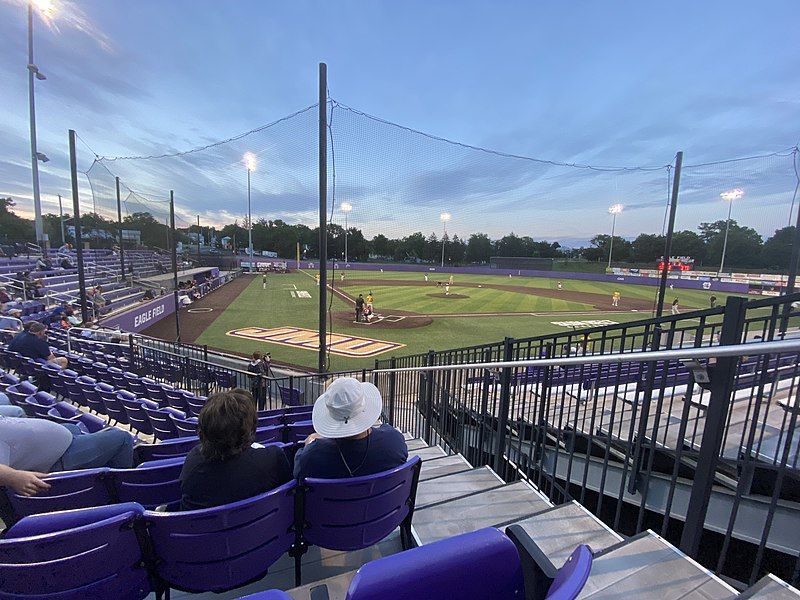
14	228
688	243
777	250
479	248
743	248
647	248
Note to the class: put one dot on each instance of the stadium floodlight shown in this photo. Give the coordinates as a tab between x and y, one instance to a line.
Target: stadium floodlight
444	218
47	10
250	162
613	210
346	208
729	197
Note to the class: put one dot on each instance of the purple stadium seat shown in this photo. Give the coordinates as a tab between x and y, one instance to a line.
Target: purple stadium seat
136	414
68	490
269	421
290	396
221	548
149	485
481	565
298	431
63	412
91	553
265	435
37	405
572	576
185	427
161	421
60	383
167	449
354	513
91	423
8	380
195	405
17	393
268	595
113	406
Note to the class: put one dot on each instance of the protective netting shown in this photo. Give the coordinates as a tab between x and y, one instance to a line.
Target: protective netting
399	182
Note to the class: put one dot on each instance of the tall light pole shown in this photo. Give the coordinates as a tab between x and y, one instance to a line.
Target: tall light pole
47	9
729	197
61	219
346	208
614	210
249	162
444	218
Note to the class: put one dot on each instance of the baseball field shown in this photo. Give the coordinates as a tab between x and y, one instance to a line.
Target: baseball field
410	315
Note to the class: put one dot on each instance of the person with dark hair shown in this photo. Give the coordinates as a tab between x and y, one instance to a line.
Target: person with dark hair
258	383
227	466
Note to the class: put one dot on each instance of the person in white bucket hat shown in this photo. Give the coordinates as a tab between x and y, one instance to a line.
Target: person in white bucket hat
346	443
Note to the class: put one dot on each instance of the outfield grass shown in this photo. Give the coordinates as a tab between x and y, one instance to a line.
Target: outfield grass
276	307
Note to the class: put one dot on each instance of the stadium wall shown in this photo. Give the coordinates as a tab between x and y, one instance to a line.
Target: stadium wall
144	315
692	284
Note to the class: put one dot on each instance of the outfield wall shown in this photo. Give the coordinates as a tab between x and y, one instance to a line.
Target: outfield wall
709	284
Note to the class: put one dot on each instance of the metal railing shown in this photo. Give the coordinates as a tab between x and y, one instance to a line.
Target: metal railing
685	424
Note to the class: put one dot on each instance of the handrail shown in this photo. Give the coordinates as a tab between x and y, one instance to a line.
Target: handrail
772	347
101	330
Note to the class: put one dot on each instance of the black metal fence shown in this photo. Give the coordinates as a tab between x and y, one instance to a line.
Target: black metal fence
705	452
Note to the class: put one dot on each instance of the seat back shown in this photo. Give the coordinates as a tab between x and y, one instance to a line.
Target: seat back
167	449
481	565
265	435
17	393
224	547
161	422
298	431
185	427
150	486
290	396
572	576
99	559
136	415
354	513
68	490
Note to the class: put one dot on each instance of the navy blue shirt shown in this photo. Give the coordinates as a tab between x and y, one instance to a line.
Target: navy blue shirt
383	449
206	483
30	345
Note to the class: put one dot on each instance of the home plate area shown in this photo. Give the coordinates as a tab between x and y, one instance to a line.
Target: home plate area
397	319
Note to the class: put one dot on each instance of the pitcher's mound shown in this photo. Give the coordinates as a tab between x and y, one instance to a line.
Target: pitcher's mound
450	297
389	319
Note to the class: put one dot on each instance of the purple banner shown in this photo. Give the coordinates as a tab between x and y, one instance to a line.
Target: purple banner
711	285
144	315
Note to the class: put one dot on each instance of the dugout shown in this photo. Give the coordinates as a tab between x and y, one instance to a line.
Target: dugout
521	262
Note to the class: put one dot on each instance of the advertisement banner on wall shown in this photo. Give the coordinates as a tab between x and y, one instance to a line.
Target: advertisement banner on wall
144	315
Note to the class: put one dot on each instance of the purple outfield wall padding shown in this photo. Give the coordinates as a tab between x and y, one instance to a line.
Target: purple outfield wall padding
143	315
712	285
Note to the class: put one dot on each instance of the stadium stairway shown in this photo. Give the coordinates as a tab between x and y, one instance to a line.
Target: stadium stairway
453	497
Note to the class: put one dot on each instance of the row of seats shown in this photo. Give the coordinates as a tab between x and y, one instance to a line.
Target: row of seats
125	551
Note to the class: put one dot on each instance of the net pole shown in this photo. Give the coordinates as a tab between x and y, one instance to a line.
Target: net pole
76	215
173	244
794	264
673	208
323	208
119	224
198	240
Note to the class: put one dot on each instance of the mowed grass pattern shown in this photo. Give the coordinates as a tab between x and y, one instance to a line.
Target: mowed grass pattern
480	300
275	307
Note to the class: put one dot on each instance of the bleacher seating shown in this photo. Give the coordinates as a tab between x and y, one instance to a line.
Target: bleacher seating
433	498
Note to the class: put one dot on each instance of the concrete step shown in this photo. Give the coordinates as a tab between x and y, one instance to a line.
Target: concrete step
648	566
332	588
456	485
416	444
491	508
444	465
559	530
773	588
427	453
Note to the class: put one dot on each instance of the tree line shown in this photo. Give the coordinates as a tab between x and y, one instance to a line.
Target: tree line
745	247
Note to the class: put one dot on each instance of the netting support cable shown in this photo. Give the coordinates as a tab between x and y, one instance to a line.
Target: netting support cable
323	228
673	207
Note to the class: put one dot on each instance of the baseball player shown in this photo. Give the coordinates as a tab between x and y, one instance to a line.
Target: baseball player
426	278
615	298
263	281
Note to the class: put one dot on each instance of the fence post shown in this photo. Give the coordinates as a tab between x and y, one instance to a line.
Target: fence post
722	379
505	406
428	402
392	389
206	370
134	366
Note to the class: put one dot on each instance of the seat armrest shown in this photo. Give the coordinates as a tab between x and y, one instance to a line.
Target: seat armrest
538	570
68	519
